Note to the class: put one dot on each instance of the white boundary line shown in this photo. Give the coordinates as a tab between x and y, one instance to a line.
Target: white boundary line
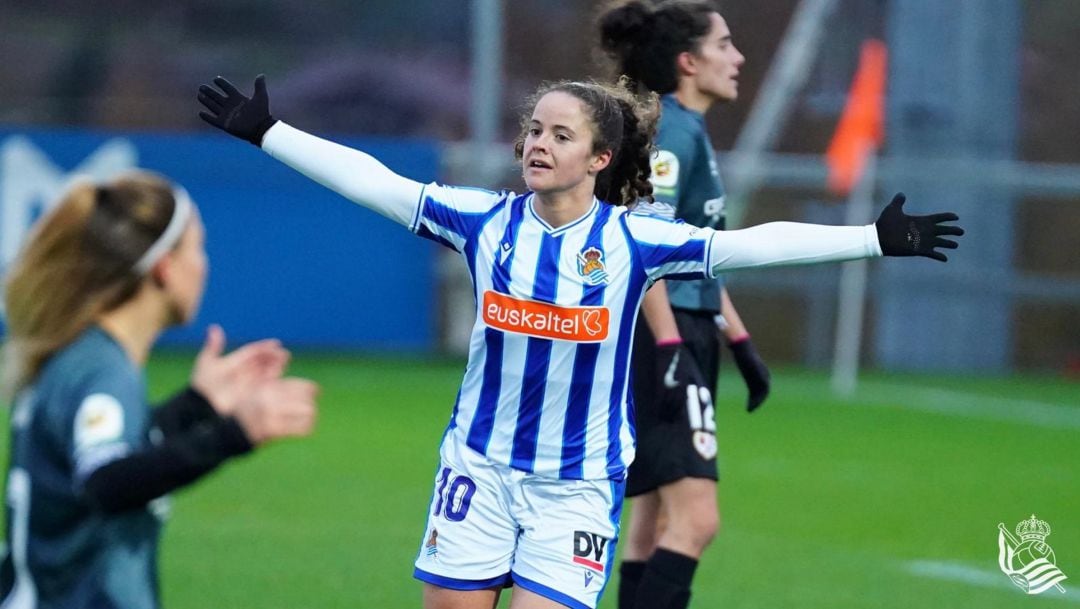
968	405
984	578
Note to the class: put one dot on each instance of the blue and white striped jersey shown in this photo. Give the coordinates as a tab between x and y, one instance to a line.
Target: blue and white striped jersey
545	390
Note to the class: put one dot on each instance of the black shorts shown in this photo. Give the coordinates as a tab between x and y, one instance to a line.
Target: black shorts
672	449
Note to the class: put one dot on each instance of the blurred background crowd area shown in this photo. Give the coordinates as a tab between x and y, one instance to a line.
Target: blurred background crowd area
402	68
973	82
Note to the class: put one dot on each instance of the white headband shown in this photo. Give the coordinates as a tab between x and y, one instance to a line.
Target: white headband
172	233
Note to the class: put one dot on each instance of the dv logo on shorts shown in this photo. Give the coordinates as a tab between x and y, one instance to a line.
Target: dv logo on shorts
589	550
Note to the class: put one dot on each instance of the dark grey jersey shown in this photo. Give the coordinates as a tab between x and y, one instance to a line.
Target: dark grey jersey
85	409
686	182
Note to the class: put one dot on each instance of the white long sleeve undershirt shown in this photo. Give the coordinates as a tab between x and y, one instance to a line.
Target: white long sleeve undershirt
356	175
363	179
790	243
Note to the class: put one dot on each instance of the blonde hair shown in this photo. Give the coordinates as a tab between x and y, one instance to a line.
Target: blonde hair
78	263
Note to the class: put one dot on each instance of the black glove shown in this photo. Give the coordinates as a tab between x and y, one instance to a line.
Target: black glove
676	371
902	235
753	370
232	112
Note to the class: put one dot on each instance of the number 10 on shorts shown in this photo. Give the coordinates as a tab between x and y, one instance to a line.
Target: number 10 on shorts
454	495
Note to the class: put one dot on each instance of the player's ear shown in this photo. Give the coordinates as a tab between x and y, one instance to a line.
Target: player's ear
159	273
600	162
686	63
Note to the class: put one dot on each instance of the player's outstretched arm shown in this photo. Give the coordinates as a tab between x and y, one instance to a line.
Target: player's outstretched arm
788	243
351	173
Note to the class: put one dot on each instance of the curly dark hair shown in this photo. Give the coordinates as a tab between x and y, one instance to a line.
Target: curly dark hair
643	39
621	122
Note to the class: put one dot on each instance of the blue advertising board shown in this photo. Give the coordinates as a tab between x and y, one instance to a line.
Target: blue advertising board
288	258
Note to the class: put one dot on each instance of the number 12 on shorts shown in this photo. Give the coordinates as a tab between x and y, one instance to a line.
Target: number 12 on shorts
700	409
702	417
454	495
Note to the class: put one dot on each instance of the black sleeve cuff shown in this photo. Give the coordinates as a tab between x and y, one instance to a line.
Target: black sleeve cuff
181	411
233	440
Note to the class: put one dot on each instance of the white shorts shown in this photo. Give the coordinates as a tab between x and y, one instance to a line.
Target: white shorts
491	526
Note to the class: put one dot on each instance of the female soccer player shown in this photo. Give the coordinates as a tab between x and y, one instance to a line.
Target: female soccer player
530	485
683	50
100	277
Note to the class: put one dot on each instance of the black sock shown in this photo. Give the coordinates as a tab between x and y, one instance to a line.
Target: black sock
666	581
629	578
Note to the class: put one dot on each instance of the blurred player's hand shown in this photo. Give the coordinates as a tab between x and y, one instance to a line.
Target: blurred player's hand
278	408
676	371
230	110
753	370
902	235
226	380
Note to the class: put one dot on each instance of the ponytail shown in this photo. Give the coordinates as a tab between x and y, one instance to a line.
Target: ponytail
644	41
79	262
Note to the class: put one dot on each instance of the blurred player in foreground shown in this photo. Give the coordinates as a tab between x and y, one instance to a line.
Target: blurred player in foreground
98	280
530	485
681	49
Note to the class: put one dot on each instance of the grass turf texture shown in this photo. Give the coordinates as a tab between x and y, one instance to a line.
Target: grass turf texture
888	499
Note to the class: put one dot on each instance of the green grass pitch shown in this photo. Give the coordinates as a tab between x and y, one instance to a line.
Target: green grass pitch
889	499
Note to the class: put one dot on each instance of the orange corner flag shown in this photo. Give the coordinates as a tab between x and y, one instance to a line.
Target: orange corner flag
861	129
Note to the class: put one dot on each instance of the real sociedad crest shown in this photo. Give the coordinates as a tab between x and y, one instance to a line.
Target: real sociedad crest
431	547
1029	561
590	264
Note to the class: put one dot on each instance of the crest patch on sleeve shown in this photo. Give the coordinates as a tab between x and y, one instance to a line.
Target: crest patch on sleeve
665	169
99	420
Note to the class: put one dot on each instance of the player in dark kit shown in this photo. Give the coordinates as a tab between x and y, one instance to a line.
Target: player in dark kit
101	276
682	50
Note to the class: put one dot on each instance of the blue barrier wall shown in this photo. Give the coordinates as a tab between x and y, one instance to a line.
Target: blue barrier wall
288	258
